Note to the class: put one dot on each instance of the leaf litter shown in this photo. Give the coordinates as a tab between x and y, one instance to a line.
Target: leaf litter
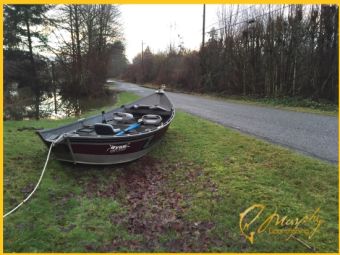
154	208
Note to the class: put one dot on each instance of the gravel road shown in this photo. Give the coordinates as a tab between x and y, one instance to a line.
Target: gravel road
312	134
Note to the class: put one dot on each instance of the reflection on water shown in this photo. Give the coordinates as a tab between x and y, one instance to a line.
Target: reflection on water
19	104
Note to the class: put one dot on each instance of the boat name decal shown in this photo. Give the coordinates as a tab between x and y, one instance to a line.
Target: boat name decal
117	148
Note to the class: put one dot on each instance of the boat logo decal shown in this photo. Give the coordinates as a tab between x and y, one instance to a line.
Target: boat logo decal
117	148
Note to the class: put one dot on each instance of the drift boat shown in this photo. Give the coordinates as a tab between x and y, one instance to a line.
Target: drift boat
120	135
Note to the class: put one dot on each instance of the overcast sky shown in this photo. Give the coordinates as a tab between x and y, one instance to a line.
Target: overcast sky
158	25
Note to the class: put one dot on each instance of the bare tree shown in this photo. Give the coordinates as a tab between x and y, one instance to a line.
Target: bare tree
84	54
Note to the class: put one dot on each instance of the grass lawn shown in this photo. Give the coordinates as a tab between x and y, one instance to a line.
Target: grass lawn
186	195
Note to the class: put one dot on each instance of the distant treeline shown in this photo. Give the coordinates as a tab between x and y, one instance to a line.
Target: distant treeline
266	51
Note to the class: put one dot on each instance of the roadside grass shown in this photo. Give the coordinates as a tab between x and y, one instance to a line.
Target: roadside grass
286	103
290	103
186	195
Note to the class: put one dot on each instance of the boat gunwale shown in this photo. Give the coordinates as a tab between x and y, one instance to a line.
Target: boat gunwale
104	138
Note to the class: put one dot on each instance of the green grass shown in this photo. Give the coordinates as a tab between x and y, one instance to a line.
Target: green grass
186	195
291	103
287	103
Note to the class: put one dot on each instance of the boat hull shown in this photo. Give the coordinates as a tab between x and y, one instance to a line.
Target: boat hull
80	158
105	152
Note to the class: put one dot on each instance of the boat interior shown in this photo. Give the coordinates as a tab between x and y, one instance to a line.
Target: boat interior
133	119
144	115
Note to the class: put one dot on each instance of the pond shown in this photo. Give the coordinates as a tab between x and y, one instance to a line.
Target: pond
19	104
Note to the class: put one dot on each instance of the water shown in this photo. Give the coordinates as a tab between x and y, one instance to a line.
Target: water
19	104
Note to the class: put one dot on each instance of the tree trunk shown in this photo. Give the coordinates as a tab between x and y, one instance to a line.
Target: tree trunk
78	54
54	83
294	78
35	85
74	58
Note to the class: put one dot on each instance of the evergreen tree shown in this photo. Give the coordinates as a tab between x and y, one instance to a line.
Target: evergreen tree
20	33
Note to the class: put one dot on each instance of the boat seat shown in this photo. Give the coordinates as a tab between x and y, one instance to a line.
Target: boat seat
146	110
151	119
123	117
105	129
151	107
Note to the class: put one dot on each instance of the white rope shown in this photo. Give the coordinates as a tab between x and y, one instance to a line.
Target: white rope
36	186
